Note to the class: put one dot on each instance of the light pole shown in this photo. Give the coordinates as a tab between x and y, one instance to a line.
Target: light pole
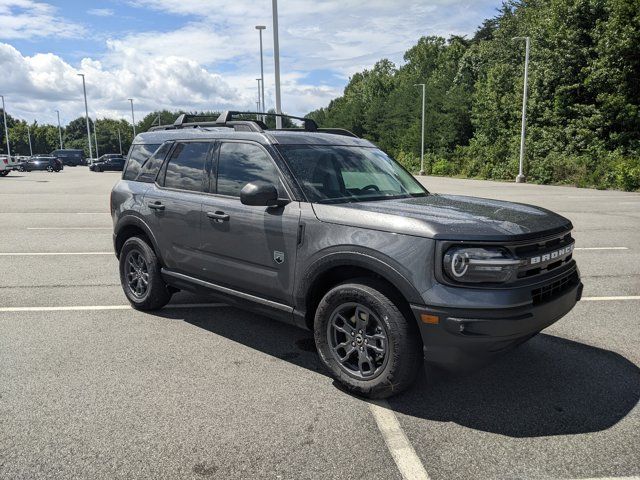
120	141
29	135
86	115
527	42
6	128
260	28
59	129
421	172
276	59
259	100
95	136
133	119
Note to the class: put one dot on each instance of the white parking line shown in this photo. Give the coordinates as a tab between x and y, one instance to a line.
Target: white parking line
403	454
93	213
39	254
69	228
82	308
601	248
611	299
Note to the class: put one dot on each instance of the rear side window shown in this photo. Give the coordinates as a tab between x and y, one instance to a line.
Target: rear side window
241	163
138	155
185	168
152	166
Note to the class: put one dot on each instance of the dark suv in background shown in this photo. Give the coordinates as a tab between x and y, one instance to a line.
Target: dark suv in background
70	157
323	230
109	162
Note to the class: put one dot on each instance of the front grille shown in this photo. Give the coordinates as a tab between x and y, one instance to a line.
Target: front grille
553	290
543	256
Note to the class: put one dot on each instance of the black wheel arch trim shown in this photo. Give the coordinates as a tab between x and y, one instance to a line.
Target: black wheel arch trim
355	257
133	220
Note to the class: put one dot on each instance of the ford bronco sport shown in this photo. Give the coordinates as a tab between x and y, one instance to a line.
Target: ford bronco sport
321	229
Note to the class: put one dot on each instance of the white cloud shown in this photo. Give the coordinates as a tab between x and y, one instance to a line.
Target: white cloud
101	12
26	19
210	59
37	85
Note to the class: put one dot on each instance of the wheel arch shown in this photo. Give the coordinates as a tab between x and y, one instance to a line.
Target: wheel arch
338	267
132	225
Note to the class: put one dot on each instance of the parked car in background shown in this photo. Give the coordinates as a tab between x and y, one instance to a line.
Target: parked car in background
41	162
70	157
108	162
6	165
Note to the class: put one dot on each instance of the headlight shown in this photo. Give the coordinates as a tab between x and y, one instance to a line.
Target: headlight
479	265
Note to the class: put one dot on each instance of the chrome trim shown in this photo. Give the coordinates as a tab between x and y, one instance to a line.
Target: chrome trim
229	291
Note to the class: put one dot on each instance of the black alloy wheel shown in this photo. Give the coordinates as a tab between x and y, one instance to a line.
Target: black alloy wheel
137	273
358	340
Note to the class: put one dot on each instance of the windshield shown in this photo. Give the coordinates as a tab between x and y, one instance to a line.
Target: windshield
337	174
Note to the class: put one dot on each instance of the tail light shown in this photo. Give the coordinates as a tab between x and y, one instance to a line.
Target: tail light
6	162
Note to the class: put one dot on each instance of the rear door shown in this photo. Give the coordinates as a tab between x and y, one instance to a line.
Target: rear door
248	248
174	203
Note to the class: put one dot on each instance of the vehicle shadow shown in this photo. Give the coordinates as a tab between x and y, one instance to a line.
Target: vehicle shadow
548	386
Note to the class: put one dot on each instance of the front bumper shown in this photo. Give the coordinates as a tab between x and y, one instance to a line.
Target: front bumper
462	337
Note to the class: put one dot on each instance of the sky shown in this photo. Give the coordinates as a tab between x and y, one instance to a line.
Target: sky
204	54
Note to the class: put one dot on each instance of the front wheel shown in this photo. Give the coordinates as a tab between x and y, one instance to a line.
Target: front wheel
365	341
140	276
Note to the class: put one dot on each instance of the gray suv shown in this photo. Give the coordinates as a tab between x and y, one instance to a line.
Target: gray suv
321	229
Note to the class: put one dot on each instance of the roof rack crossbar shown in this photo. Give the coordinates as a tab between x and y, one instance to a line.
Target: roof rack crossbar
309	124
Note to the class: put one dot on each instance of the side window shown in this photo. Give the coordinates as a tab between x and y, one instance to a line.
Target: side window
185	168
151	167
241	163
138	155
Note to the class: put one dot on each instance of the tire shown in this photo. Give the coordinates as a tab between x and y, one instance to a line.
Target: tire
21	169
137	257
387	373
50	169
4	173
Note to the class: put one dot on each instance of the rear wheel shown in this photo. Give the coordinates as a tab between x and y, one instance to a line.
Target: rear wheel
365	341
140	276
4	173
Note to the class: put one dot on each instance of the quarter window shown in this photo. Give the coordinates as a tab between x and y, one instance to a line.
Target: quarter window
186	166
241	163
138	155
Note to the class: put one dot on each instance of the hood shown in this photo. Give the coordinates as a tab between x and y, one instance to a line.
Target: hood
448	217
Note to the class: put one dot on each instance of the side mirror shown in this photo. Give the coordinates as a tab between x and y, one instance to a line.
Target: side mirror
260	194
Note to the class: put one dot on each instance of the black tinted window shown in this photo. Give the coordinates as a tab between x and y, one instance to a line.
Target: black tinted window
186	166
241	163
138	155
151	167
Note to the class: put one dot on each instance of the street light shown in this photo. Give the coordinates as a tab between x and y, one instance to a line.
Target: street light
521	178
29	136
259	100
59	129
6	129
86	114
133	119
260	28
276	59
421	172
95	136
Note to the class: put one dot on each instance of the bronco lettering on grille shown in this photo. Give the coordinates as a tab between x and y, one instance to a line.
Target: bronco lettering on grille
551	255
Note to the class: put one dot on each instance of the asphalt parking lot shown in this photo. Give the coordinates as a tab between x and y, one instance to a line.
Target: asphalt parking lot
92	389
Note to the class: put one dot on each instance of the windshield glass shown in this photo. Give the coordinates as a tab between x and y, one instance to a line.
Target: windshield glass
337	174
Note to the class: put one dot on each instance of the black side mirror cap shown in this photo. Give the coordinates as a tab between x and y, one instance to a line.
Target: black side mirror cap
261	194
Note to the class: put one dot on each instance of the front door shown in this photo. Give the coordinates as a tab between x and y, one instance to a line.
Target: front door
248	248
174	204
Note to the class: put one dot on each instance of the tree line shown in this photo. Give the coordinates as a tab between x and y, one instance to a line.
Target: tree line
583	113
109	133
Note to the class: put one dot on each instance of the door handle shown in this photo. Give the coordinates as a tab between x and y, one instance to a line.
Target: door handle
156	206
218	216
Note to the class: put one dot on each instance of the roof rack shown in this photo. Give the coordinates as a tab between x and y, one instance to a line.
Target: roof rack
226	119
